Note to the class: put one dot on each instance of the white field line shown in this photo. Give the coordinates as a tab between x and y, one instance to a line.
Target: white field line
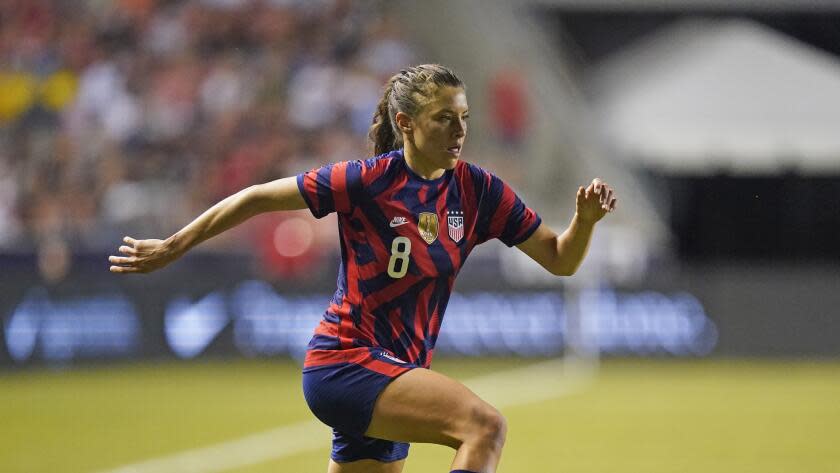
249	450
533	383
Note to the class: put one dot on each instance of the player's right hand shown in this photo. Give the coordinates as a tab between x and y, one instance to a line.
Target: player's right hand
141	256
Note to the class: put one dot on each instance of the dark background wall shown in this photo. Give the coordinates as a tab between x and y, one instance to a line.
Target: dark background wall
745	309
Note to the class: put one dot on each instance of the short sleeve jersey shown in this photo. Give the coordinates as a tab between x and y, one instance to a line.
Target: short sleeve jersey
403	241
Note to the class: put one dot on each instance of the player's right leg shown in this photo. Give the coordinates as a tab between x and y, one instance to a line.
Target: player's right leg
428	407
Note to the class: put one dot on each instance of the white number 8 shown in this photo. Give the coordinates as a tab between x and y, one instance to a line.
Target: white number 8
400	255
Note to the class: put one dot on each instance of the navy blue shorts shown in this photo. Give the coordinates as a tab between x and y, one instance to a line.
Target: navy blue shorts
342	395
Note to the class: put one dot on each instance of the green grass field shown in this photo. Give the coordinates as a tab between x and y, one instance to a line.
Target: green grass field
635	416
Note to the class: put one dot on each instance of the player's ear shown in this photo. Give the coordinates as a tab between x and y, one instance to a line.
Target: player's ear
404	122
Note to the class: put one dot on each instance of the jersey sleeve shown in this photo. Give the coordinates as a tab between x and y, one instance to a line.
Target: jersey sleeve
503	215
332	188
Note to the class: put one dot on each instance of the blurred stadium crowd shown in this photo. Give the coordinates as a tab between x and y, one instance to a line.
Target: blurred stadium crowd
132	116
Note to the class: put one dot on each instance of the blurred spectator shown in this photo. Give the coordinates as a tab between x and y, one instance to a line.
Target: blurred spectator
311	102
385	52
103	103
54	261
508	96
9	224
224	90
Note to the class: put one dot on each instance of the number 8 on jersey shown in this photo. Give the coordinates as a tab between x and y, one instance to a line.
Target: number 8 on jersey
400	249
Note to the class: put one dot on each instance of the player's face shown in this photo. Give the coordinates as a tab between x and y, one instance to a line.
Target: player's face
441	127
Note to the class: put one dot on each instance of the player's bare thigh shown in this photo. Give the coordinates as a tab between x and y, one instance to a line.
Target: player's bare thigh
428	407
366	466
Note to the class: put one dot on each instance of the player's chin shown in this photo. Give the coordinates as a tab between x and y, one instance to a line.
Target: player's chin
450	159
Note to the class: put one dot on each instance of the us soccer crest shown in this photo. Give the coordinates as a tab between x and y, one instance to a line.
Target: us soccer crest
428	226
455	222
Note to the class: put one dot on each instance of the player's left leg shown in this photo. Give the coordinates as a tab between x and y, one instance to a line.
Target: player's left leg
427	407
366	466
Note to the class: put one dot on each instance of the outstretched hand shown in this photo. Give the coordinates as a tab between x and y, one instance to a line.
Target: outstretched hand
141	256
595	201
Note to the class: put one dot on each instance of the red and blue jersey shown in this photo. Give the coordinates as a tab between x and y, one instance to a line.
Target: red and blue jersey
403	241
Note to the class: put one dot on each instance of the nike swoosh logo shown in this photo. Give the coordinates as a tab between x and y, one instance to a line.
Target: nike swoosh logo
191	327
397	224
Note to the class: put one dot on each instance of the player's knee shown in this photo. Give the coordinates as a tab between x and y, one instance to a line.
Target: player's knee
489	426
496	429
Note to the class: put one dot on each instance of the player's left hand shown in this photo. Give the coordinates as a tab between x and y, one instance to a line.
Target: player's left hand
595	201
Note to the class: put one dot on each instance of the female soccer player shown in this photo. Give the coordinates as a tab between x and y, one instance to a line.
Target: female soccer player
407	220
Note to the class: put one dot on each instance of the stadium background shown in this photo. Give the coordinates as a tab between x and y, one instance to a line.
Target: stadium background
701	333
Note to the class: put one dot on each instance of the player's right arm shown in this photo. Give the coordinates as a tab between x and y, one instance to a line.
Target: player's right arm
143	256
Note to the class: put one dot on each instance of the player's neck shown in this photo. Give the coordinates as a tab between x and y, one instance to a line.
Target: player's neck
420	166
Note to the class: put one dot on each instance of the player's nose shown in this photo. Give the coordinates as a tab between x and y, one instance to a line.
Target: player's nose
459	128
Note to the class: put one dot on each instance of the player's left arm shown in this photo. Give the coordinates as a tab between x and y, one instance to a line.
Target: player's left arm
562	254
